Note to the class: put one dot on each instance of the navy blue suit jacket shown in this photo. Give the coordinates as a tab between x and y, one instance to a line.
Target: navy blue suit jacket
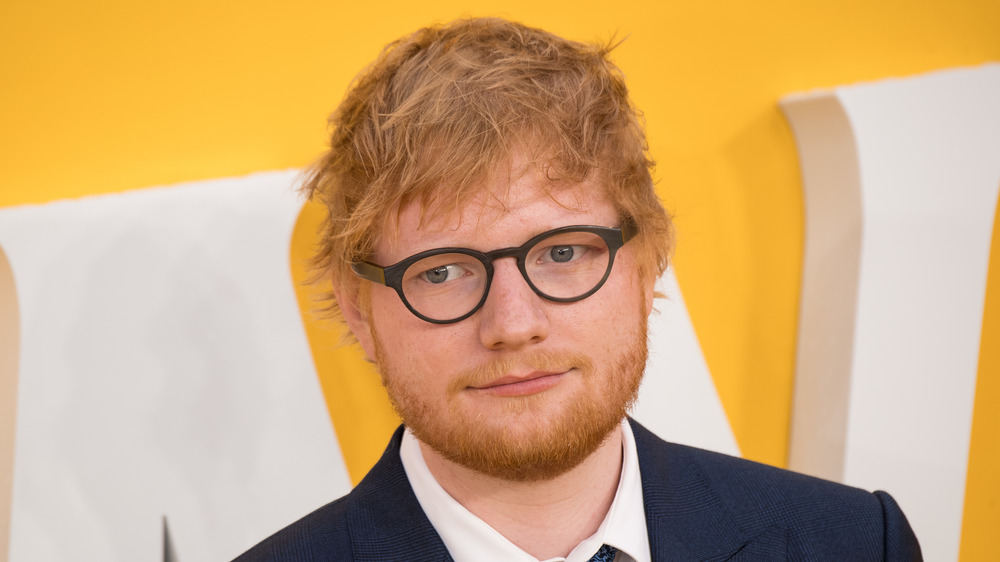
699	505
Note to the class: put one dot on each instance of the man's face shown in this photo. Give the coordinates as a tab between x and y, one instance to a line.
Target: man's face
525	388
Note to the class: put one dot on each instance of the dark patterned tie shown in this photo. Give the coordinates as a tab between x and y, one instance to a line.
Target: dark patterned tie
606	554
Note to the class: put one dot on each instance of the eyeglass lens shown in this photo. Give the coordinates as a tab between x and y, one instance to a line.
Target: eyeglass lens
562	266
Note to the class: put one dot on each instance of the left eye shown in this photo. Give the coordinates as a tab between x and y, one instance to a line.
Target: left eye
565	253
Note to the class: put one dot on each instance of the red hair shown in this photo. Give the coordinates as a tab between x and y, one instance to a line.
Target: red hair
444	109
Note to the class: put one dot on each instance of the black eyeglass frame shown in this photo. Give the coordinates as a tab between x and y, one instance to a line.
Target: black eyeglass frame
392	275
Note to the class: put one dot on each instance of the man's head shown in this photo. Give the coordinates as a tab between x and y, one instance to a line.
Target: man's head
484	134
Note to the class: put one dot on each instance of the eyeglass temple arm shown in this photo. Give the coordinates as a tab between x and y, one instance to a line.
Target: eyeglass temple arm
369	271
629	229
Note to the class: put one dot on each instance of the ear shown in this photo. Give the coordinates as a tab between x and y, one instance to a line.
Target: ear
357	321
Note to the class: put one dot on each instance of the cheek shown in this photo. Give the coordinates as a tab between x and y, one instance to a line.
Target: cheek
426	354
595	326
635	292
609	318
392	329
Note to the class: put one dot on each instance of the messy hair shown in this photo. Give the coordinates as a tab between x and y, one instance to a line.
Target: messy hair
443	110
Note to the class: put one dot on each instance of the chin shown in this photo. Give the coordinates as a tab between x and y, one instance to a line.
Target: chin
524	439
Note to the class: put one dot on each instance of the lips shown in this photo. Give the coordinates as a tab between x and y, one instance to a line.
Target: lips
521	385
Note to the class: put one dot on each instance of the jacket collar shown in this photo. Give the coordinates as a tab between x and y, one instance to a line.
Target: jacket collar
686	519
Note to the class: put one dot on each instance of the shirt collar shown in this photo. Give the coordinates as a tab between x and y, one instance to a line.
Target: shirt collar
469	538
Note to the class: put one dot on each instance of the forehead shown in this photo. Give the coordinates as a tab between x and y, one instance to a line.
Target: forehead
507	213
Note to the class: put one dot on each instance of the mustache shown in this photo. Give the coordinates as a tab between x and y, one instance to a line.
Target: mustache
556	361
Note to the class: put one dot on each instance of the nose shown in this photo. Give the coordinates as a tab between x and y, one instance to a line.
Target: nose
513	316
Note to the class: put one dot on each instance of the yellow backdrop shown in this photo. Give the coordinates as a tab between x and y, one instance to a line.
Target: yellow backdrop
106	96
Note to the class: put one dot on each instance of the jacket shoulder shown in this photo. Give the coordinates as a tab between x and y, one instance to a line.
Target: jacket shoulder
319	536
818	517
380	519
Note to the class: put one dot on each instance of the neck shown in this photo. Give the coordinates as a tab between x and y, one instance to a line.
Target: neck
546	519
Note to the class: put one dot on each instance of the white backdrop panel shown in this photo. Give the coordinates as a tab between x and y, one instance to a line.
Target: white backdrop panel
928	167
164	372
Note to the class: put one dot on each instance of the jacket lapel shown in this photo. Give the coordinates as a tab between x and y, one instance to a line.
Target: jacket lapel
386	521
686	518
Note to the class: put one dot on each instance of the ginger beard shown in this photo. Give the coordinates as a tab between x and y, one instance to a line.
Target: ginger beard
527	438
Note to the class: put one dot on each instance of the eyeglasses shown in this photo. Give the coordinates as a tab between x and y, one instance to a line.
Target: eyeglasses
447	285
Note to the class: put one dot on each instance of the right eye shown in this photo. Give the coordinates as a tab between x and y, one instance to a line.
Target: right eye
440	274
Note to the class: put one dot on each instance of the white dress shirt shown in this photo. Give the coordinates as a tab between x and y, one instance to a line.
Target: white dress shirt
468	538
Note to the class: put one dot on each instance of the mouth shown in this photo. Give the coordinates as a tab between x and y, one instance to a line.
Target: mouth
521	385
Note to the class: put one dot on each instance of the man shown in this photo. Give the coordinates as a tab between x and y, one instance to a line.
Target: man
494	240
